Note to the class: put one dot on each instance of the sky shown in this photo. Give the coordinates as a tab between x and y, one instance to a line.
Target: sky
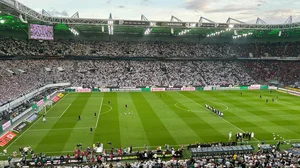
271	11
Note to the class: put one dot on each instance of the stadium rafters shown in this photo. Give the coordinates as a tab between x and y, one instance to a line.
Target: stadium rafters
16	8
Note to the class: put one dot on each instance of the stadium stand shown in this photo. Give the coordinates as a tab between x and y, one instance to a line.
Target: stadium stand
22	76
15	47
83	158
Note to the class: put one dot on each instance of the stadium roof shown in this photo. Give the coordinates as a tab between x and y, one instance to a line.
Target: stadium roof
17	16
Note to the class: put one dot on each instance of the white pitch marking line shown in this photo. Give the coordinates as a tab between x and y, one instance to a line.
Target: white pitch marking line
220	117
65	111
99	112
107	110
34	123
59	129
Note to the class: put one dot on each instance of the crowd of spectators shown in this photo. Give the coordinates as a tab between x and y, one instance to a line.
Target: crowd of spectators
13	47
274	158
287	72
19	77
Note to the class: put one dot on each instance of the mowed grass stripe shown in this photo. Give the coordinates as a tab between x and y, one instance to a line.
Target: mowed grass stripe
178	128
270	123
56	140
131	127
108	129
183	126
156	132
211	128
283	124
88	120
31	138
234	114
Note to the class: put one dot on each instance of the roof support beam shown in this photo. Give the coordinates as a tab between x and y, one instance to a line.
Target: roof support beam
173	18
260	21
203	18
230	19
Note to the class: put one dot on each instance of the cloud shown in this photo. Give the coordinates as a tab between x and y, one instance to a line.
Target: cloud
121	6
145	2
197	5
108	1
54	12
230	9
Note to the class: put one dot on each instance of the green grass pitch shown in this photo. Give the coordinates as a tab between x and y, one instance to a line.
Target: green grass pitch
157	118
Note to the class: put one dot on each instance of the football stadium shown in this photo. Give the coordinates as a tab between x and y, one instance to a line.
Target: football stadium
82	92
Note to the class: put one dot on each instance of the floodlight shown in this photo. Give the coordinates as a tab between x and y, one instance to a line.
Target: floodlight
2	21
231	26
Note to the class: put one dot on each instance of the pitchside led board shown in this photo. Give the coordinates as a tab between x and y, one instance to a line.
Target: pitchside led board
41	32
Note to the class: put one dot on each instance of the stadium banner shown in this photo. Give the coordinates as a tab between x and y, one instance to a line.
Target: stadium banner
60	95
174	89
20	115
292	92
158	89
95	90
274	87
243	87
104	89
70	90
264	87
199	88
125	89
20	127
294	89
225	88
207	88
34	106
147	89
40	103
31	118
6	138
55	99
83	90
254	87
188	89
6	125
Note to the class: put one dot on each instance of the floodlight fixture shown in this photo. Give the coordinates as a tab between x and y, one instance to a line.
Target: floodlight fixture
231	26
2	21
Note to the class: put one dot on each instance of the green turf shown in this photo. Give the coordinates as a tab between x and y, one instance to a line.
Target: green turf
157	118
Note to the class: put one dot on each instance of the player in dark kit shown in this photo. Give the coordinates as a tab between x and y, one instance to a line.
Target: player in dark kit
241	93
108	102
95	114
259	96
267	100
91	130
126	105
79	118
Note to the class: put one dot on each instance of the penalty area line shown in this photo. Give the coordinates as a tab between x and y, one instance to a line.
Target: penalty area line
65	111
99	112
